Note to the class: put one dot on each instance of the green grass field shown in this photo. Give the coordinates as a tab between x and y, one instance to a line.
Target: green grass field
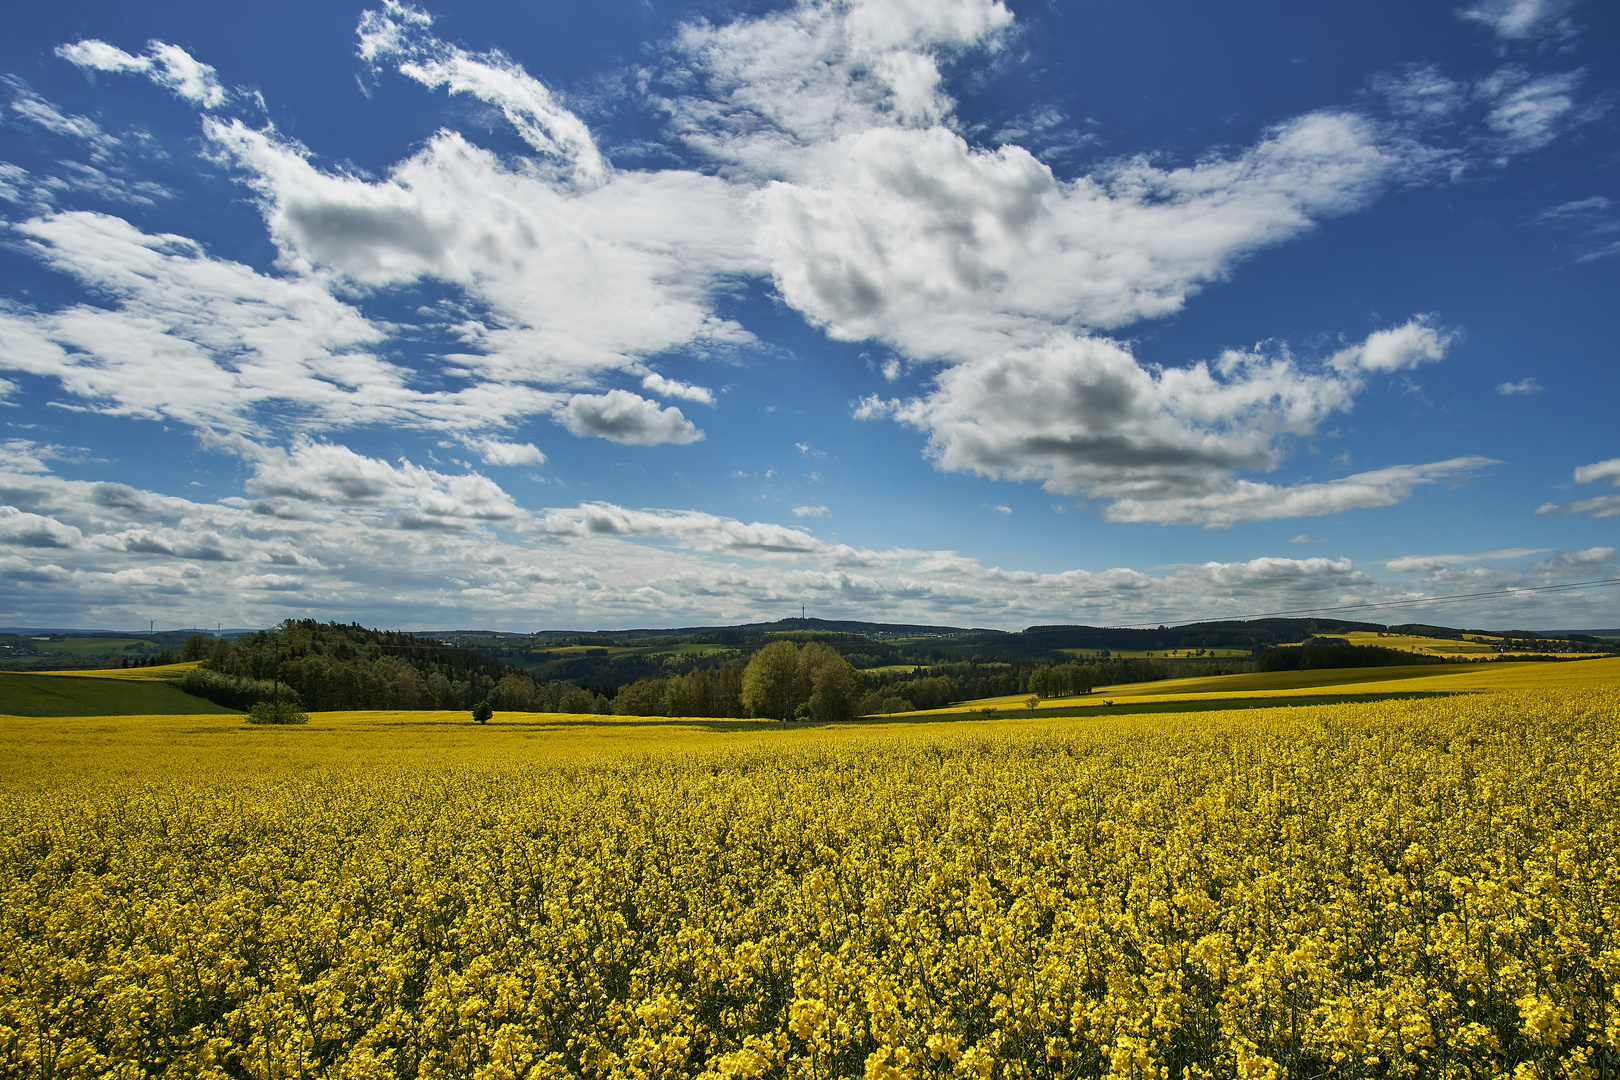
56	695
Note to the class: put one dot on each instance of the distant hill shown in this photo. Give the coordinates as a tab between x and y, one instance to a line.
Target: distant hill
1253	634
333	666
876	630
40	649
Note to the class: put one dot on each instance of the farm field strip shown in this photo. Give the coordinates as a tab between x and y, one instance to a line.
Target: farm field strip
1423	678
1395	888
1160	654
155	673
1472	645
136	745
628	650
76	645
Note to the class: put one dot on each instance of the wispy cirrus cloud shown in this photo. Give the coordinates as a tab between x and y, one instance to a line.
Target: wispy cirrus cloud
1592	220
399	35
1247	500
1599	506
1521	20
169	66
1426	563
29	106
1529	110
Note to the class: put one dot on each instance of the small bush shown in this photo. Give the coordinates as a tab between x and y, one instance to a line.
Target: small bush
482	712
876	704
277	712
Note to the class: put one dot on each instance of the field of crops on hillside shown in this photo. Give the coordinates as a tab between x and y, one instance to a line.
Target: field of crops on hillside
1140	654
1396	888
1468	646
1279	687
124	692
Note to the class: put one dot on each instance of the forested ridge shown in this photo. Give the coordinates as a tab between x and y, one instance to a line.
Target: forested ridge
840	671
332	666
335	666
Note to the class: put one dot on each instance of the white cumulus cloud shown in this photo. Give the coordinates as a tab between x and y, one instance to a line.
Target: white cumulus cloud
624	417
1081	416
834	165
658	384
496	452
23	529
1602	470
329	474
1414	342
333	533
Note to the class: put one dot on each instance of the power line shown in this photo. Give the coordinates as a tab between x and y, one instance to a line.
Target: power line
1451	599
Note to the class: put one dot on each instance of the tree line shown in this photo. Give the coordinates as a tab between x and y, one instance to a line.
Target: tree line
781	681
331	666
1338	653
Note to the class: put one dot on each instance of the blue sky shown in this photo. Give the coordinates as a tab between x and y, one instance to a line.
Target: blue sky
967	312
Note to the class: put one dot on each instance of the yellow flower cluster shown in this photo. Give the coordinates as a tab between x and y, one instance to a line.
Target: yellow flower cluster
1419	888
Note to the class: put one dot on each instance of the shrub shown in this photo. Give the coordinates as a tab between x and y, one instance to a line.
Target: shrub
482	712
878	704
277	712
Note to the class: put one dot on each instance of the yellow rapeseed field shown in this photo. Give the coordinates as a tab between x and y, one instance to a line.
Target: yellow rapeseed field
1390	888
1545	676
156	673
